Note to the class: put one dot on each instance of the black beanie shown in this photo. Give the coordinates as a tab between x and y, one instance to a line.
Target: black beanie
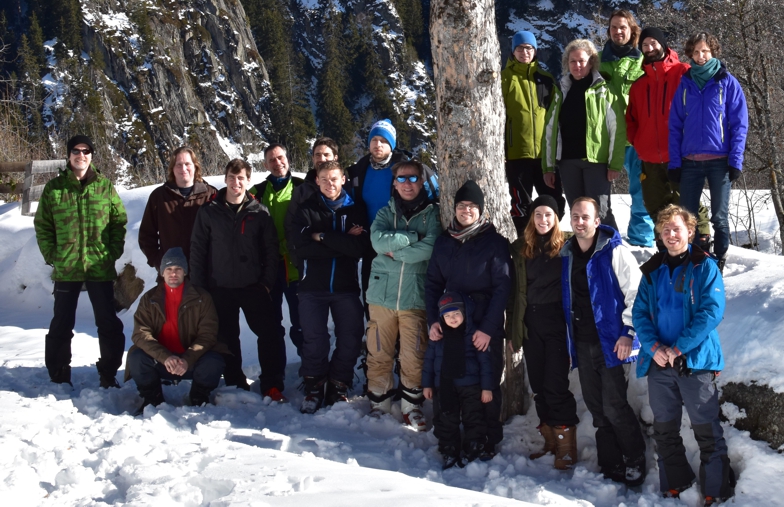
544	200
80	139
657	34
470	191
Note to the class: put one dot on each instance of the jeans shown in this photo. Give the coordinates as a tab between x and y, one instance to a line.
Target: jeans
111	339
693	175
289	289
147	372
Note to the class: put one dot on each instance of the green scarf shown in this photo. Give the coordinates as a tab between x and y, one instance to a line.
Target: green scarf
701	74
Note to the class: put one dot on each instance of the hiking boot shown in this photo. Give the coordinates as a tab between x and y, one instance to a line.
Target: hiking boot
565	446
108	380
274	394
635	471
153	396
704	242
198	395
337	391
412	415
314	394
616	473
451	457
488	452
721	262
549	441
61	376
474	451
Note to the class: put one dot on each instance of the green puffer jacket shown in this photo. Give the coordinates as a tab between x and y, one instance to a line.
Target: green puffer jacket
605	131
399	283
529	92
81	230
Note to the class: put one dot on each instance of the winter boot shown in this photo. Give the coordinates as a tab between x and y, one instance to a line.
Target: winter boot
150	396
474	451
721	262
337	391
451	457
108	380
411	406
635	471
61	376
199	395
704	242
565	446
314	394
549	441
380	404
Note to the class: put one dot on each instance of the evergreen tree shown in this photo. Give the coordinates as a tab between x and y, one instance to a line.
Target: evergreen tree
335	118
37	40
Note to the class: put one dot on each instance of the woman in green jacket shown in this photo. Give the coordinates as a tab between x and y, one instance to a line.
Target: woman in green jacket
586	133
403	235
536	321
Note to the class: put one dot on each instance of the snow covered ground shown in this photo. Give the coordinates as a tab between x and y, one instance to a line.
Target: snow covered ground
81	447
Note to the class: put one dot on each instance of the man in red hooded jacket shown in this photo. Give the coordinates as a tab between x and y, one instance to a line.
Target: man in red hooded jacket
646	125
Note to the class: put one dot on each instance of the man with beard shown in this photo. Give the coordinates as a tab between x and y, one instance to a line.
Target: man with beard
647	117
621	66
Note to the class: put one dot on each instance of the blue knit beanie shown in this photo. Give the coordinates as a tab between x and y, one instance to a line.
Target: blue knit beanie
384	129
523	37
174	257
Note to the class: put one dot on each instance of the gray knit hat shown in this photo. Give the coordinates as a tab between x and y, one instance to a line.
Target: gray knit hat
174	257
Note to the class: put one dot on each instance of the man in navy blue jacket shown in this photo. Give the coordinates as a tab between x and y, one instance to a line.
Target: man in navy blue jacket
600	279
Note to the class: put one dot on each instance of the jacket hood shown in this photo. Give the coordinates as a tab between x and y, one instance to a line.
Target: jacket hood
607	237
250	202
607	54
670	59
696	256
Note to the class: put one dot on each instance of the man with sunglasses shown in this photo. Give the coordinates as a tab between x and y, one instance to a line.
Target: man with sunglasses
403	235
80	227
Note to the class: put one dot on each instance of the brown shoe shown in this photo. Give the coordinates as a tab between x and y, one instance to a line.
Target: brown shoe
549	441
565	446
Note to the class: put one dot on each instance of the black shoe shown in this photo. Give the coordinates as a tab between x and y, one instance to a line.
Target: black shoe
107	380
61	376
635	471
704	242
488	452
336	391
475	451
198	395
721	263
616	473
314	394
451	458
152	397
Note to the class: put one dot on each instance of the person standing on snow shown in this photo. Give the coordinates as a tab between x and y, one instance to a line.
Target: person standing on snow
647	128
679	305
600	278
621	64
80	228
709	122
529	94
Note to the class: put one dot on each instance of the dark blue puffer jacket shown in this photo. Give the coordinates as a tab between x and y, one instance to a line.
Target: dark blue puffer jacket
478	367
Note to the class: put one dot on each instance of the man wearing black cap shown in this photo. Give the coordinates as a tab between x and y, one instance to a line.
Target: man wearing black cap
175	336
80	227
647	129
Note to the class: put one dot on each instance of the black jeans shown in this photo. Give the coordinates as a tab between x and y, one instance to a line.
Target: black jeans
523	176
618	432
289	289
111	339
147	372
547	359
256	305
495	428
446	425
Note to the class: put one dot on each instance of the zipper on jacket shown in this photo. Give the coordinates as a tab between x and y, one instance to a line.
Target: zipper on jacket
664	97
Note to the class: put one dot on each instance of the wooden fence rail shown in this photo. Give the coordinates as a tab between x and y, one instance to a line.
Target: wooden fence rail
29	191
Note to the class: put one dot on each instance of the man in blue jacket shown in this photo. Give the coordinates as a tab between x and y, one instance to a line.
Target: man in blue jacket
679	305
600	279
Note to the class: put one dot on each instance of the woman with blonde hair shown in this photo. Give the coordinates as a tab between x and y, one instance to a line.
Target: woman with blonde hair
537	324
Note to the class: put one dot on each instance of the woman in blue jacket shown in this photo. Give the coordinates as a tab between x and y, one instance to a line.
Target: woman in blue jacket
679	305
708	125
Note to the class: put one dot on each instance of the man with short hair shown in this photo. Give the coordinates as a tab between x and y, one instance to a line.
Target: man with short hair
235	255
276	193
80	227
647	128
332	236
171	208
174	337
600	279
621	65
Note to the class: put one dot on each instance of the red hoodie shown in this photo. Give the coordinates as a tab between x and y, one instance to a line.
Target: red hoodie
650	99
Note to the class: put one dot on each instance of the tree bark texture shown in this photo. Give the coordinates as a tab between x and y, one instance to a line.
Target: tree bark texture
470	142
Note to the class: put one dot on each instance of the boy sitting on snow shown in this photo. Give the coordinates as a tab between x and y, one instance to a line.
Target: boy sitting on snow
458	378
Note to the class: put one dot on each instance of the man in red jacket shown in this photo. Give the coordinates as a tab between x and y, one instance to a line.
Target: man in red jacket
647	130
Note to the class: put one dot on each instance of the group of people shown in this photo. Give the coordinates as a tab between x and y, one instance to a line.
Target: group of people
438	305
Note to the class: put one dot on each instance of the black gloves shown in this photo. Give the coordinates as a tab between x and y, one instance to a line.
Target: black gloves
734	174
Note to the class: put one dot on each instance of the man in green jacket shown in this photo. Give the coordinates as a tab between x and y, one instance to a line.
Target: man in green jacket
80	227
529	93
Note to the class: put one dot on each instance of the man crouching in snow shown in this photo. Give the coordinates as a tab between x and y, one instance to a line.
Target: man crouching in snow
175	333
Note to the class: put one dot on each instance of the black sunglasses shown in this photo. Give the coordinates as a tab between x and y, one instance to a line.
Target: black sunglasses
402	179
76	151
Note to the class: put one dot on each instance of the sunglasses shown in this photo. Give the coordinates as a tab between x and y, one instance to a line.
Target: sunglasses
82	152
402	179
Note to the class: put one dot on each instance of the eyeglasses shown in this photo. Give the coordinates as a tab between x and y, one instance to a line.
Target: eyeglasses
529	49
402	179
76	151
467	207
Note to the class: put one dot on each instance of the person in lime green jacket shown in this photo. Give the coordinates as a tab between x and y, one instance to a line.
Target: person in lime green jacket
80	228
403	235
586	133
621	65
529	93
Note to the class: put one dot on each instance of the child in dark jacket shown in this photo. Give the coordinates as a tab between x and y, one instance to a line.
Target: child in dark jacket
458	378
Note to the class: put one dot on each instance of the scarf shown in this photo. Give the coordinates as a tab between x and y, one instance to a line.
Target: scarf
337	203
621	51
380	165
701	74
463	234
410	208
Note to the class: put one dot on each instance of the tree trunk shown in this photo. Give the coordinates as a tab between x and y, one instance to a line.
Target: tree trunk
470	109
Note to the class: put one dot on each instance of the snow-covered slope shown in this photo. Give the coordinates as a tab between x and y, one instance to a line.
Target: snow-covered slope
81	447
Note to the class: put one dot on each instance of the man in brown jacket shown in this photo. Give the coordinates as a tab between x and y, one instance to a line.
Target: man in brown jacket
171	209
175	336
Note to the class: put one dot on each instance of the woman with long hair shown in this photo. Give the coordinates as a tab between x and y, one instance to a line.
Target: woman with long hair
537	324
